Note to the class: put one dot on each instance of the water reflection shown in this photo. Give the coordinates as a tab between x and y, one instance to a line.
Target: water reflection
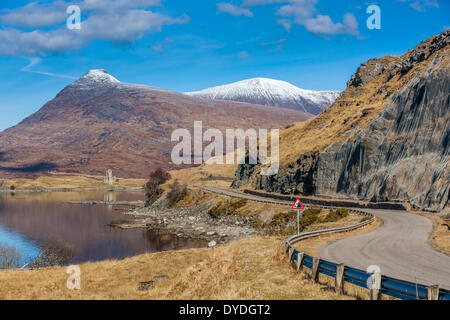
26	248
27	220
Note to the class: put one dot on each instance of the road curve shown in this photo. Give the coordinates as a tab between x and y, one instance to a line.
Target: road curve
245	196
399	247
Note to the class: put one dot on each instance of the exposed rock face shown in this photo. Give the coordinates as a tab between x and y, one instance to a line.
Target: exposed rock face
297	178
403	154
243	174
366	72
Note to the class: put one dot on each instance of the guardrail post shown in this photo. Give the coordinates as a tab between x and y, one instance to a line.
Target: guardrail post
300	256
433	293
286	248
291	253
375	292
339	281
315	269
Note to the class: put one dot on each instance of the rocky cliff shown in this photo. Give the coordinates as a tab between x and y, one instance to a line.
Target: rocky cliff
400	154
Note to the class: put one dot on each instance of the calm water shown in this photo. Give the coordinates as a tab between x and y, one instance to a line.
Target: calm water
30	221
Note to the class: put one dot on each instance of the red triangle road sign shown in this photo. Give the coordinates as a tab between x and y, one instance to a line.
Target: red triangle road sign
298	205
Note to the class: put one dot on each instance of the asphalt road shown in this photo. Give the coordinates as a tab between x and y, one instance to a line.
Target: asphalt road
246	196
400	247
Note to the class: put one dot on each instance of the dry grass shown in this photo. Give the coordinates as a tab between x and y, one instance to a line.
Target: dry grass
350	290
351	219
440	238
61	181
312	246
249	269
215	175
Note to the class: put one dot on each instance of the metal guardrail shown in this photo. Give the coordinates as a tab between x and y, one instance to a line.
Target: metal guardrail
341	203
389	286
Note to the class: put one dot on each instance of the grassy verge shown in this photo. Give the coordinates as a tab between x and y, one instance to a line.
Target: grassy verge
312	246
440	238
215	175
248	269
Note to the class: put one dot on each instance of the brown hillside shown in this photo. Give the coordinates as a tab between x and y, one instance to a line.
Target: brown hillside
98	123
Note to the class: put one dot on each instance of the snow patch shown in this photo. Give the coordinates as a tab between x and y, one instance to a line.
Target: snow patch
271	92
100	75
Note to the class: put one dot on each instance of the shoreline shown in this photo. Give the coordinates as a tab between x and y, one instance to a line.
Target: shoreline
137	203
30	191
191	223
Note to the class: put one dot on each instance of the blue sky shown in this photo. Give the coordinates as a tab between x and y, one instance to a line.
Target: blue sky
190	45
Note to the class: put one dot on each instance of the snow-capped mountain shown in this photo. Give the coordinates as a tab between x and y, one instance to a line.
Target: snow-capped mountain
271	92
98	122
98	78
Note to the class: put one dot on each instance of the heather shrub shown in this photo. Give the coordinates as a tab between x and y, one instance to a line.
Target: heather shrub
337	215
153	188
177	193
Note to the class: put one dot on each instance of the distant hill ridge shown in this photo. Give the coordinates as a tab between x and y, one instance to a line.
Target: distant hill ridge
99	123
271	92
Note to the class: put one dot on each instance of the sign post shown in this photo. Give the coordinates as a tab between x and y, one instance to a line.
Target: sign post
298	205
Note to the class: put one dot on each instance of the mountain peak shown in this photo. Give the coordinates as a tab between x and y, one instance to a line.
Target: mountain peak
93	79
271	92
99	75
265	82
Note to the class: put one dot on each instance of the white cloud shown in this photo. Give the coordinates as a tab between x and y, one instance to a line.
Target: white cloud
158	47
243	55
323	25
254	3
286	23
108	5
420	5
127	26
35	61
36	43
298	9
233	10
118	21
270	43
35	16
305	13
